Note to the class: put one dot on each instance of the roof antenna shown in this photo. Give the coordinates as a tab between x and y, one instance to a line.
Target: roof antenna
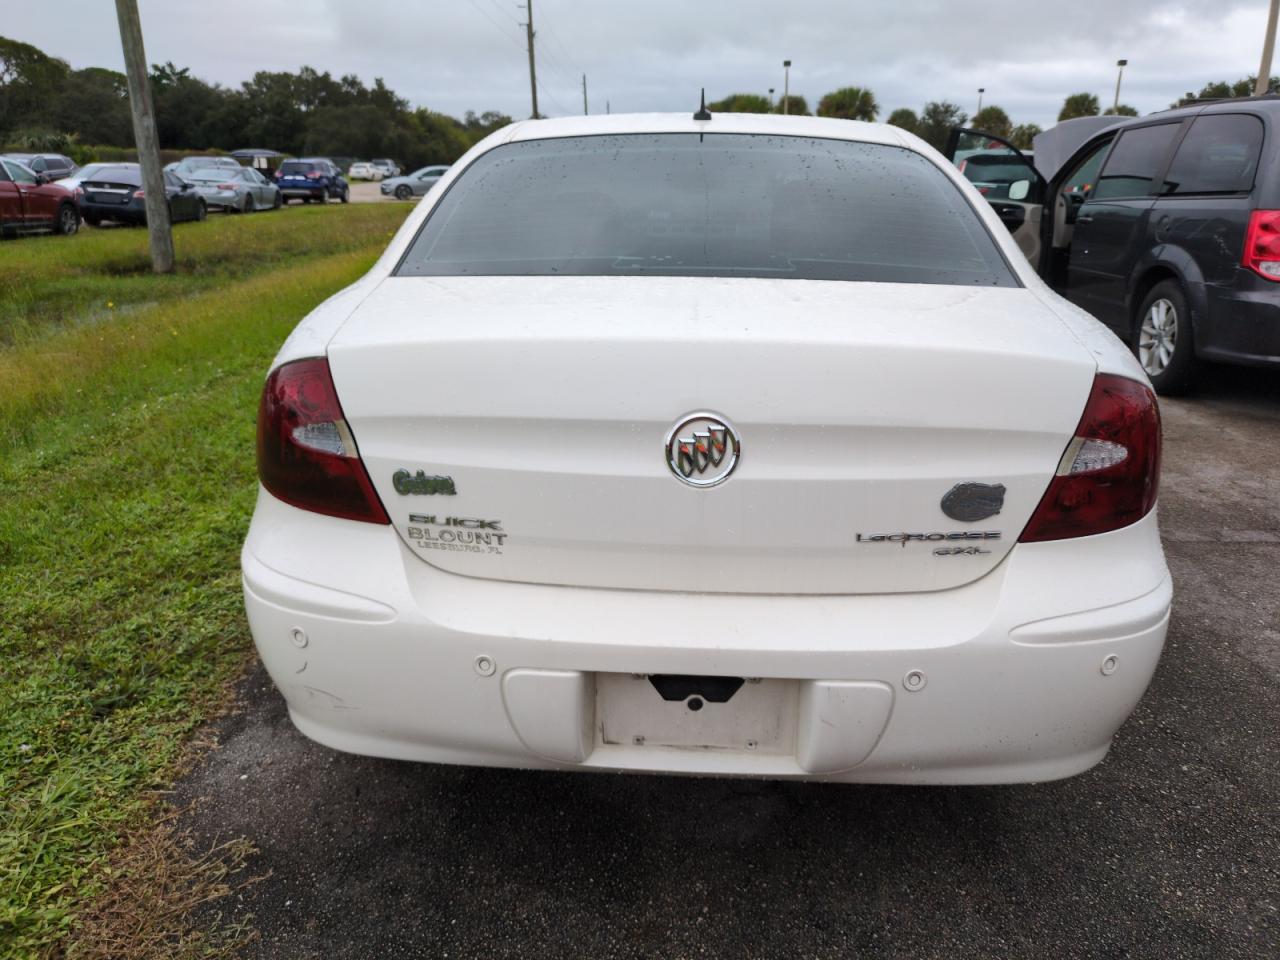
703	113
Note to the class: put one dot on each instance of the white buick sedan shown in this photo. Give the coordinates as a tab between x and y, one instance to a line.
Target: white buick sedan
747	445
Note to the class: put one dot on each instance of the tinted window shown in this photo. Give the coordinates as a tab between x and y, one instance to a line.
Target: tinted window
707	205
1219	154
1137	158
296	167
4	174
125	175
1085	177
20	174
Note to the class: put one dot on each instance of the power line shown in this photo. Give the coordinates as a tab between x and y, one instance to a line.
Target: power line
498	26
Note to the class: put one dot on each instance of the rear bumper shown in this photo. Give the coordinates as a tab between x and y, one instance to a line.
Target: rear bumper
1245	322
1027	672
316	192
134	211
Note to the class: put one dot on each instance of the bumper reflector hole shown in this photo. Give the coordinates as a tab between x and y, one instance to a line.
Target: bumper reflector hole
695	703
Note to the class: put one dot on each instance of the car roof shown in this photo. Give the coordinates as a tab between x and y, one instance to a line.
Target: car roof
751	123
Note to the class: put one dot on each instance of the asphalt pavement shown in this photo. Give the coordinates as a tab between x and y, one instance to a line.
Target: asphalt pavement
1168	849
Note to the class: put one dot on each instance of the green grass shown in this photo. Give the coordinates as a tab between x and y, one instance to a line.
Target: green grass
50	282
126	485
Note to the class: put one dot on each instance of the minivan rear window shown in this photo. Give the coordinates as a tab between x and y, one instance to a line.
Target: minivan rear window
1219	154
720	205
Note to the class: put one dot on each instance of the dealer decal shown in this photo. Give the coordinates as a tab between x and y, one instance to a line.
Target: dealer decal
456	534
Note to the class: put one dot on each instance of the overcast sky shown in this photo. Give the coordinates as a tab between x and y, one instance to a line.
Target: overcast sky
464	55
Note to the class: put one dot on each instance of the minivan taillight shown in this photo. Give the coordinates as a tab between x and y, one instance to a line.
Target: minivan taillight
1110	473
1262	244
306	454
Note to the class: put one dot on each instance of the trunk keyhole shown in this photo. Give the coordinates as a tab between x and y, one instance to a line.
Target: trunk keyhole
695	703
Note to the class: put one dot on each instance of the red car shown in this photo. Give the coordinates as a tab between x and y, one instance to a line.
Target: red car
29	203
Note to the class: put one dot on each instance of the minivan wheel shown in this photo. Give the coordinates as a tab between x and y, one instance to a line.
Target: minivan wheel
1164	341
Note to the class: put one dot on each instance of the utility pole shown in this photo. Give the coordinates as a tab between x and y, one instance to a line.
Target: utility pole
786	86
981	91
1121	64
144	133
1268	47
771	98
584	95
533	74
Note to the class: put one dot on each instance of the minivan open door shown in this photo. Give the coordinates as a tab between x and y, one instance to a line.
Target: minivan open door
1008	179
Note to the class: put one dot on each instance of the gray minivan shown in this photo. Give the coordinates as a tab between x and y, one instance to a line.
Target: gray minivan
1166	228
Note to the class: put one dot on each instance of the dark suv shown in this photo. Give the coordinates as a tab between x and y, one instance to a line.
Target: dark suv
312	178
51	166
1167	229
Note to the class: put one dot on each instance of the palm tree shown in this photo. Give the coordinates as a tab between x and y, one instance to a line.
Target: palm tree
849	103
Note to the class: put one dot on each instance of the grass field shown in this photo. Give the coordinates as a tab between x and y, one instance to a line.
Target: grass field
126	483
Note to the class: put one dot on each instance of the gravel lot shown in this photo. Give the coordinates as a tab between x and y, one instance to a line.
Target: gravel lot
1170	848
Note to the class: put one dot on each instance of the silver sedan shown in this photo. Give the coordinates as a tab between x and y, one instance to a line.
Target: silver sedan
412	184
242	190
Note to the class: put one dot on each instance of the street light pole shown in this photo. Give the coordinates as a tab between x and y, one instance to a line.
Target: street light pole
1119	76
1268	46
786	86
144	134
981	91
771	98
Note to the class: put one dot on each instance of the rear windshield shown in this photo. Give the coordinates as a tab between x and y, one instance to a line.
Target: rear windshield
297	166
721	205
126	175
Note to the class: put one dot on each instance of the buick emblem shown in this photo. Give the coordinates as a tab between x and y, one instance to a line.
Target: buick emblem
702	450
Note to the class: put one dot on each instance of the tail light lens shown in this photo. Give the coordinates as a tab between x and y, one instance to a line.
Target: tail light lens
314	175
306	455
1110	473
139	194
226	186
1262	244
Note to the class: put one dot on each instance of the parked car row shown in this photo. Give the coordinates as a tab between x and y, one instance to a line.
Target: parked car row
1166	227
59	195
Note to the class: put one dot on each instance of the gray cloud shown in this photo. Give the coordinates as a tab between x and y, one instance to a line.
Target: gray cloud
469	54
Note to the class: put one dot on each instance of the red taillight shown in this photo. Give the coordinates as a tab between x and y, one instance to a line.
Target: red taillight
306	454
1262	244
139	194
1110	473
314	175
226	186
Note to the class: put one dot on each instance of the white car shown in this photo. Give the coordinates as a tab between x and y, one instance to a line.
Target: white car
364	170
747	445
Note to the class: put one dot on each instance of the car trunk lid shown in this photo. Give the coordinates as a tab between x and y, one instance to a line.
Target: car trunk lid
526	418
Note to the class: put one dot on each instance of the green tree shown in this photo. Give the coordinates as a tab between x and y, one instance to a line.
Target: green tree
849	103
93	104
1121	110
994	121
1221	90
740	103
796	105
906	119
1023	135
1079	105
936	121
29	80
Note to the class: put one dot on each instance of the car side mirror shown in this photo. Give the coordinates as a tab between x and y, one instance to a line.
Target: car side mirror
1019	189
41	179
